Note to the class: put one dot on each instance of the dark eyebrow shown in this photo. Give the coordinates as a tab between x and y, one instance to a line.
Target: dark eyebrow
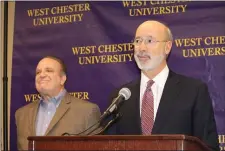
37	70
145	36
49	68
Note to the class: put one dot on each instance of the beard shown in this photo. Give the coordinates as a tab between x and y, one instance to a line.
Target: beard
150	63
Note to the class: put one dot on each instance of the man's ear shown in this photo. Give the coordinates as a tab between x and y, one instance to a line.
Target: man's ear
168	47
63	79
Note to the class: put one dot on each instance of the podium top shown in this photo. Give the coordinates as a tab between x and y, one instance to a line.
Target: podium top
120	137
117	137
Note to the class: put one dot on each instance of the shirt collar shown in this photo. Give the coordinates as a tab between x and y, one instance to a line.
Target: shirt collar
159	79
55	100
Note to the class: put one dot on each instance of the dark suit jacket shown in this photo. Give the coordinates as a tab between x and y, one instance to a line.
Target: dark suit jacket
185	108
72	116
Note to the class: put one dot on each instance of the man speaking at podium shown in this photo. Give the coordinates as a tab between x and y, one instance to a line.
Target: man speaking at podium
56	112
163	102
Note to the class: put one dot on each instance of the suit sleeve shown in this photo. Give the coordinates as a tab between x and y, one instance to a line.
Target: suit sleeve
204	122
17	128
21	138
93	117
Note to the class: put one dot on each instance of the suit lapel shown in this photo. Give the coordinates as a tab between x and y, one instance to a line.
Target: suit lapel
131	111
167	101
32	115
137	107
61	110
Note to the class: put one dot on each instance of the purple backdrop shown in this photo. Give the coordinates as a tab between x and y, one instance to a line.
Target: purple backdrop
110	27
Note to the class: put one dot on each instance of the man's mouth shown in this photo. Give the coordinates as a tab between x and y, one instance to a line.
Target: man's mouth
143	58
43	81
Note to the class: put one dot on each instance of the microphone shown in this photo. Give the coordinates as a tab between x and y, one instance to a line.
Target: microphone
124	94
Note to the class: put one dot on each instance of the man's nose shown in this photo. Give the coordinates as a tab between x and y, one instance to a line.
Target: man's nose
142	46
42	74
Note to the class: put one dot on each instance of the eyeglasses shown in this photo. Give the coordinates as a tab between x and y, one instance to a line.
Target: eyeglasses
148	41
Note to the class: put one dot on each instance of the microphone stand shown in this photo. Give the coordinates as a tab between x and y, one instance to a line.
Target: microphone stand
68	134
118	115
103	116
101	130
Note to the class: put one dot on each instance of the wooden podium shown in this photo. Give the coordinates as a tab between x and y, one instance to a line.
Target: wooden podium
116	142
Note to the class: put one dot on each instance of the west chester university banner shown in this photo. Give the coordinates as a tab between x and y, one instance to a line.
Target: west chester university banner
95	41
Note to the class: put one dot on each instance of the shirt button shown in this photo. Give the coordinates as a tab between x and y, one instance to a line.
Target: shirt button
48	113
46	125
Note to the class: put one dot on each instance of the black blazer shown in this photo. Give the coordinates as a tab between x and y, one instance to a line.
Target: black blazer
185	108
